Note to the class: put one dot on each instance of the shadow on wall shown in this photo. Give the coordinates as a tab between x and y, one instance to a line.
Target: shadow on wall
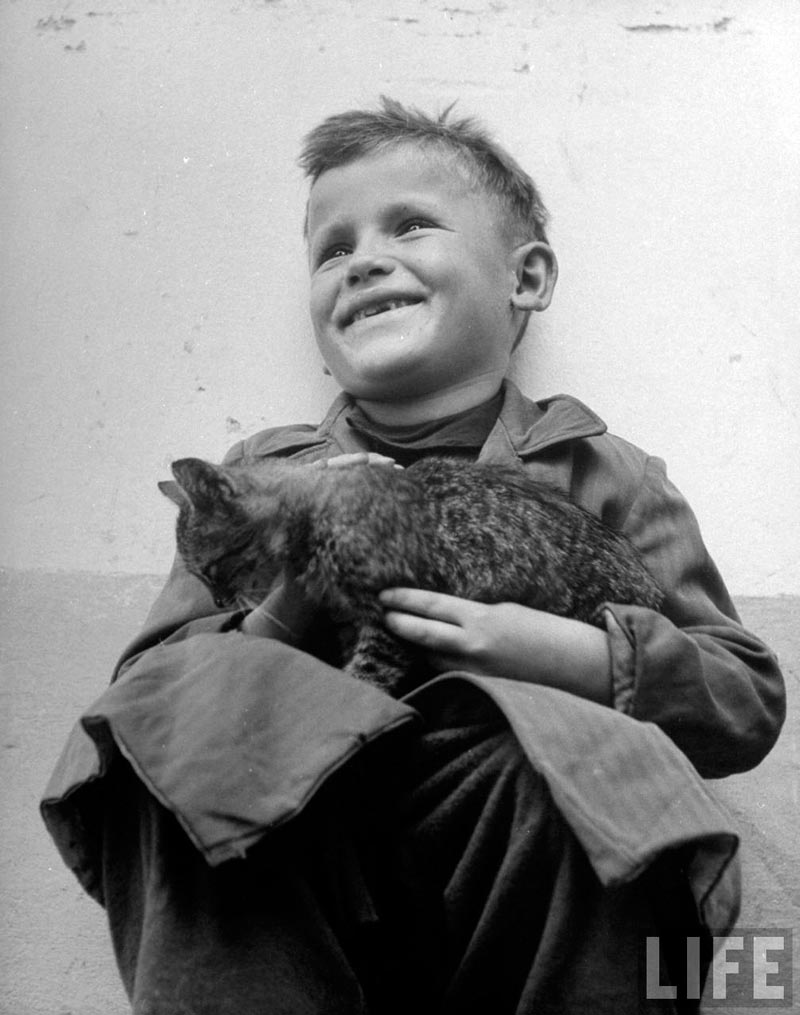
61	635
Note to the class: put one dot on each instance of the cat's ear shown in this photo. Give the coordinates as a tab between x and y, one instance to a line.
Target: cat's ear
203	485
171	489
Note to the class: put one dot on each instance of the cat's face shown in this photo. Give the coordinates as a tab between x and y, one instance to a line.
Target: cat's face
215	533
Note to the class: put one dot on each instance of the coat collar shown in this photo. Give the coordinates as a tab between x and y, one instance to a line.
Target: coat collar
523	429
526	428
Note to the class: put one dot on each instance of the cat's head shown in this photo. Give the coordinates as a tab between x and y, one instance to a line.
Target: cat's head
200	486
217	535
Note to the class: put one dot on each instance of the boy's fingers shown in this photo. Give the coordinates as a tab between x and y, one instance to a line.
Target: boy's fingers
434	605
435	635
358	458
353	458
375	459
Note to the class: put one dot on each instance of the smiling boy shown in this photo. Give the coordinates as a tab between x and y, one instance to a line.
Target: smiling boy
419	288
268	835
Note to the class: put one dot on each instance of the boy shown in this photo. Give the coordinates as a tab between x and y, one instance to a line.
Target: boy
268	835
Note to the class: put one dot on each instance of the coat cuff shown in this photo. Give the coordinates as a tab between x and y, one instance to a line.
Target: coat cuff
623	662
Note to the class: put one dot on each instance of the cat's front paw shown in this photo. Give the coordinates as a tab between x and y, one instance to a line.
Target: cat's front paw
378	658
379	674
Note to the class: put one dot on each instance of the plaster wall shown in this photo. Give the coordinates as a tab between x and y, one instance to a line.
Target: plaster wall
152	305
153	278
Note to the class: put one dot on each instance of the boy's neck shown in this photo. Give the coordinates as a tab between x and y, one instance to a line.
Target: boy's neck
426	408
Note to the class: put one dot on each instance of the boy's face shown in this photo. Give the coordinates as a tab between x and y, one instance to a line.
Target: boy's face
411	278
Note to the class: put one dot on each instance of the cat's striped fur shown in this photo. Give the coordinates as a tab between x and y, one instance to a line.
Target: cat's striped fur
479	531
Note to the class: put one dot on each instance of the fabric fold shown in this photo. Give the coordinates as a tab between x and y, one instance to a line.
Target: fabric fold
234	736
626	791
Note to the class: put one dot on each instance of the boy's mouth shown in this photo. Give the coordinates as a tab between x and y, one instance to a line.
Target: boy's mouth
379	307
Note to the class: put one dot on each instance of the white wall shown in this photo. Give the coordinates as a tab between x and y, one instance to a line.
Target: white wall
153	276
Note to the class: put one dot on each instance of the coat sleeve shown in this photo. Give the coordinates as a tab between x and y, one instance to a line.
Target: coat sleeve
232	733
692	669
184	607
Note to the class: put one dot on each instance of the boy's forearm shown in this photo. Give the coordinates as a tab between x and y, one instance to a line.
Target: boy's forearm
503	640
563	653
284	614
264	624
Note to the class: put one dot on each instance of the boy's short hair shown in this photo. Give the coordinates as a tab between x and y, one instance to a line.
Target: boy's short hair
346	137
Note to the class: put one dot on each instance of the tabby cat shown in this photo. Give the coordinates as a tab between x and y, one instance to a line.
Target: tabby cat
485	532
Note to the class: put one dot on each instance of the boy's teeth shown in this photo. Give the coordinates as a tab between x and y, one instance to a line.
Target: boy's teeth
379	308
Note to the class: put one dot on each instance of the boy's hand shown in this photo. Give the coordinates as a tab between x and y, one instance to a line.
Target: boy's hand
502	640
355	458
285	614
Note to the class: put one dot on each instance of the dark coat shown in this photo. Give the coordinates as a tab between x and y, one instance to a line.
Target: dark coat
235	734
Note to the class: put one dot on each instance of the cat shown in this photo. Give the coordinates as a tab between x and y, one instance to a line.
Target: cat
485	532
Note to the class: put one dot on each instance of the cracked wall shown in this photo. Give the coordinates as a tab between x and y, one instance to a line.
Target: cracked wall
154	276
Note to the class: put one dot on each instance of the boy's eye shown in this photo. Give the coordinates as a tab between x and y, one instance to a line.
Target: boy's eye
333	253
414	225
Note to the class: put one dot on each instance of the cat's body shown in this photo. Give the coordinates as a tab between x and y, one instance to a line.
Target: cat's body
478	531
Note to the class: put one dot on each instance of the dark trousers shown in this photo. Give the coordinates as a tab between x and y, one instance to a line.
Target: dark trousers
430	875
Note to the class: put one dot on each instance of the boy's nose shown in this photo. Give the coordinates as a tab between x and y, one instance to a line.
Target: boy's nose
368	264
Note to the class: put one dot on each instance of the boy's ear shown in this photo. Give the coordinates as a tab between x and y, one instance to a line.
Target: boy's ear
536	273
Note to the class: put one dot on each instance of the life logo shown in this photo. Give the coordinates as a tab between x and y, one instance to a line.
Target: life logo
750	968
